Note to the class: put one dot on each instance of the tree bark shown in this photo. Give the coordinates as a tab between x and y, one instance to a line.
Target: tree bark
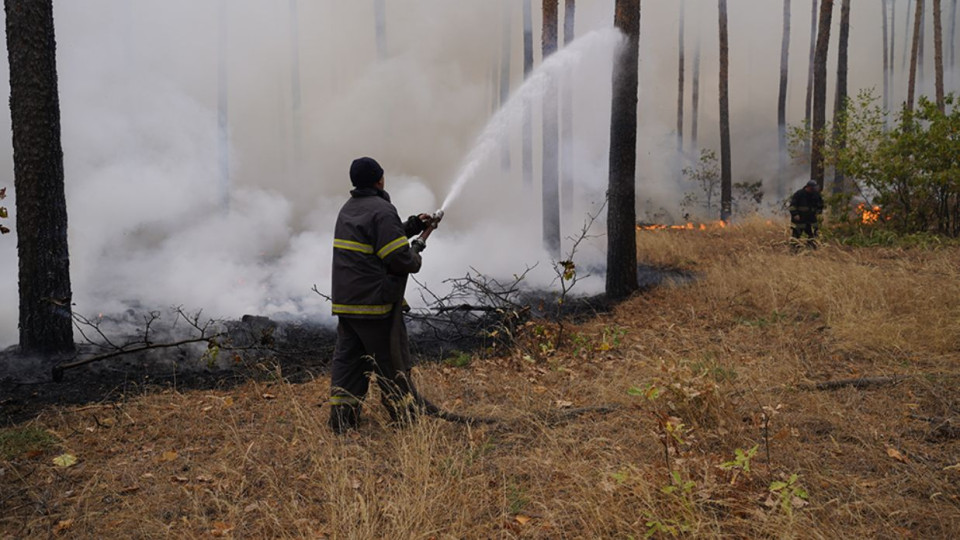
680	81
566	118
820	92
840	103
906	33
46	323
923	26
782	99
223	107
621	280
808	107
695	101
938	54
953	39
550	185
726	174
912	82
527	130
886	59
505	46
893	43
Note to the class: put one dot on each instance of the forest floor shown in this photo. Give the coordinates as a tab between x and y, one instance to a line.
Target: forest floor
712	422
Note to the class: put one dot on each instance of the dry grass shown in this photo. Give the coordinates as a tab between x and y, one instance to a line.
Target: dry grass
724	356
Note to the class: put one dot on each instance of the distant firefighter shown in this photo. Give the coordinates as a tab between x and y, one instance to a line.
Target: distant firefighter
806	205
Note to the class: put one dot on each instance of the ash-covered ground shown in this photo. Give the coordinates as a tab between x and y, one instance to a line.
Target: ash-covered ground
227	353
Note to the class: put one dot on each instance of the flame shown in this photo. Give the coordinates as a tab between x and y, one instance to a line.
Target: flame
868	216
689	226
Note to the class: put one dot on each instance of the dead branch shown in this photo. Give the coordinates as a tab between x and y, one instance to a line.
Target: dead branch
859	382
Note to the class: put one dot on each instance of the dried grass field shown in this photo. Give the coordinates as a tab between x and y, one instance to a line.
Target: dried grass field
717	427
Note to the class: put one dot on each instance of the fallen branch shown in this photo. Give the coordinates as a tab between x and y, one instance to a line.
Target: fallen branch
859	382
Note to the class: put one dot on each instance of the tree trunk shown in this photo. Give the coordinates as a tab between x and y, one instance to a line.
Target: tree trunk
820	91
695	101
953	39
223	133
906	33
46	323
912	82
893	43
923	26
295	85
886	61
527	133
808	107
551	155
726	175
566	120
840	103
938	54
505	46
782	100
680	73
621	278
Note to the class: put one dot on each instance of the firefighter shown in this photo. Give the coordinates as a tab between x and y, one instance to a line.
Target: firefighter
806	205
371	261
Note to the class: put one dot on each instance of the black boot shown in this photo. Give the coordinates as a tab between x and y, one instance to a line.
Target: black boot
344	418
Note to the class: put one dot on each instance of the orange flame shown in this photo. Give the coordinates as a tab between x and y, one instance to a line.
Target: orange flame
685	227
868	216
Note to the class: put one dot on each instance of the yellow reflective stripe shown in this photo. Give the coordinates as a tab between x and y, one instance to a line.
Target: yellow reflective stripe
347	309
391	247
344	400
352	246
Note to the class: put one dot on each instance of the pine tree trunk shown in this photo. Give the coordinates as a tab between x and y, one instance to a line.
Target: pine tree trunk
726	174
938	54
893	43
551	156
912	82
566	118
840	103
680	73
820	92
953	39
695	101
505	46
46	324
621	280
923	26
906	32
886	61
808	108
527	130
223	108
782	100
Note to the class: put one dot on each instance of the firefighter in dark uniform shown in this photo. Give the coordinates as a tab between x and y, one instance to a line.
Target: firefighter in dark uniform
371	261
806	205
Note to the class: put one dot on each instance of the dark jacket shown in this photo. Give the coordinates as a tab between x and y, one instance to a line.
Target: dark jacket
371	255
805	206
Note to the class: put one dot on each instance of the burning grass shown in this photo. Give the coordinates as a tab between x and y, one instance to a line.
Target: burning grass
697	372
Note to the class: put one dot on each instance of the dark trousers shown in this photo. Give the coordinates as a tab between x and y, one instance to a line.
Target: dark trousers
810	229
366	346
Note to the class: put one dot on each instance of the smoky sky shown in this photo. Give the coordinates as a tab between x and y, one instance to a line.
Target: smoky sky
139	99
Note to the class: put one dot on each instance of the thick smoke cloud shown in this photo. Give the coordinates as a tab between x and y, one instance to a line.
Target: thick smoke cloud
138	87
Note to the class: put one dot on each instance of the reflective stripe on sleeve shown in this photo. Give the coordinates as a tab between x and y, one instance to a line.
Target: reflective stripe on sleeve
376	309
350	245
392	246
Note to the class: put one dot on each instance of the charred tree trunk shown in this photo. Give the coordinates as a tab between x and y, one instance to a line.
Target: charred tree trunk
923	26
840	103
551	155
820	92
938	54
566	120
621	278
915	50
782	100
296	99
726	174
808	107
906	33
527	130
680	73
695	101
886	59
223	133
46	324
953	39
505	46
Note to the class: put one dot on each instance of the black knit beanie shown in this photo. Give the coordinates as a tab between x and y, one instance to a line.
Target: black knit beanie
365	172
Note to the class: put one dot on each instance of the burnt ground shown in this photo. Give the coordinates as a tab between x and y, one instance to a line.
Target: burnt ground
259	348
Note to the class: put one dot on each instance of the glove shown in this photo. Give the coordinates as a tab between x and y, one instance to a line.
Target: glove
414	225
418	245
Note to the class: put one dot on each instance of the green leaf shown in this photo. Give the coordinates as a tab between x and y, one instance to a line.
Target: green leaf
778	485
3	212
